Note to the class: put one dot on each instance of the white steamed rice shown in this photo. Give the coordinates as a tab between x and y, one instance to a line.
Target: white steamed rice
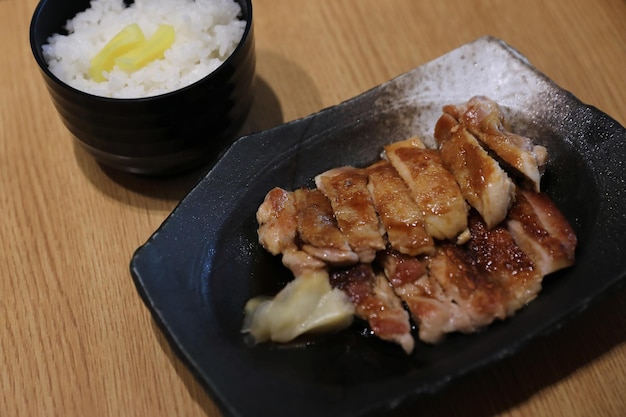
207	32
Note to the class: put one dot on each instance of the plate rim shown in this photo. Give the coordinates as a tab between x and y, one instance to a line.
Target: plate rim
227	405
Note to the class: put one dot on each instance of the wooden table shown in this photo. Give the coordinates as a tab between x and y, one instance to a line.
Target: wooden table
76	340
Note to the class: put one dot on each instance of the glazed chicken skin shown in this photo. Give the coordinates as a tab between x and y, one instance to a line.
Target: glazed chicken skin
433	188
542	232
483	183
278	231
399	214
483	118
448	239
346	189
376	303
463	288
317	229
277	221
431	308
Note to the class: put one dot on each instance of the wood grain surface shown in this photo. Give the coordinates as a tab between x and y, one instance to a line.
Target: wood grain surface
75	338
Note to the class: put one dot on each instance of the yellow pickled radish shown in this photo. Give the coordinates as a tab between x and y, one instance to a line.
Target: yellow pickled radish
127	39
152	49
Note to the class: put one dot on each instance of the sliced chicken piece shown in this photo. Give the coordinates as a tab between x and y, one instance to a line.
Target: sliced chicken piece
432	187
542	231
495	253
278	231
376	303
435	313
346	189
277	221
318	231
483	118
398	211
481	297
300	262
454	268
446	125
484	184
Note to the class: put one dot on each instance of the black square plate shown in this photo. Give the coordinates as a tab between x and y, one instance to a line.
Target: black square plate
200	267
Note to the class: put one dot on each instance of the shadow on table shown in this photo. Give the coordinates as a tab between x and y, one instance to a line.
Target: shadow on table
265	113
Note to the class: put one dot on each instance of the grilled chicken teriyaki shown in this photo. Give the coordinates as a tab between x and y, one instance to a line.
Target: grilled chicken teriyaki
452	238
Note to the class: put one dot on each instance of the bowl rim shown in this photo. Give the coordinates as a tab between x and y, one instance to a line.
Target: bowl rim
43	65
